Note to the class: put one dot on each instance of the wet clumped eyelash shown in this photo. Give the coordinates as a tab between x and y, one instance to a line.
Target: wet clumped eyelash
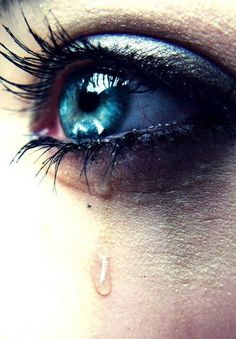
170	72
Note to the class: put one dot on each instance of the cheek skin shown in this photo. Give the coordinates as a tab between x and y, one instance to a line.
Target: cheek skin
173	263
172	259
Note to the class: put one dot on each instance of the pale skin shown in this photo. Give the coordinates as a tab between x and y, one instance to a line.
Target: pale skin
171	253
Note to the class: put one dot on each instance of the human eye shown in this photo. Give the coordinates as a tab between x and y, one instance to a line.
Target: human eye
121	112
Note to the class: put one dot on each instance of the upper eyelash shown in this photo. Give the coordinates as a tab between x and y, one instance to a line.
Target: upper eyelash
39	64
61	50
53	57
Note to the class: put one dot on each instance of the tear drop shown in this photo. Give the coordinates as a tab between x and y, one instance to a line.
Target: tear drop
103	188
101	275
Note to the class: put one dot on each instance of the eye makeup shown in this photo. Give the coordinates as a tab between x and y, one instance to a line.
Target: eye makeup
137	157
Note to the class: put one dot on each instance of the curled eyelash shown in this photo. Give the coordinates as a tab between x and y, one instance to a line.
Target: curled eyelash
44	64
55	54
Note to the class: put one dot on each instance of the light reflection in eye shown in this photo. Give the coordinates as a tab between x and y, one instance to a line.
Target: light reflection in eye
95	104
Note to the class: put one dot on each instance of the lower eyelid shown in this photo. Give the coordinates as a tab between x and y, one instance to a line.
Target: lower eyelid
146	166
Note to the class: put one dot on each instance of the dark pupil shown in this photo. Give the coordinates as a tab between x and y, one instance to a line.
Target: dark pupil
88	101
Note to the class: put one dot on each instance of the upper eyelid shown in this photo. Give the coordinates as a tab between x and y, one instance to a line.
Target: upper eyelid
61	41
203	27
171	21
56	29
61	44
58	40
57	35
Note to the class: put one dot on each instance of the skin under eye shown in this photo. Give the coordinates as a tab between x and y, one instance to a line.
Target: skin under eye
115	143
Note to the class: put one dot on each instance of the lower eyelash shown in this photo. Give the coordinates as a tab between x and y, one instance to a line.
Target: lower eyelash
88	150
188	142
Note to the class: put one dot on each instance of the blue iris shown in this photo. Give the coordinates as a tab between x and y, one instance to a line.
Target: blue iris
93	105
